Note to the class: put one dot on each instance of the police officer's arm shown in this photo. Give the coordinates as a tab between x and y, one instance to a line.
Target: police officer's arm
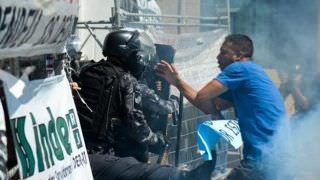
138	126
153	102
201	99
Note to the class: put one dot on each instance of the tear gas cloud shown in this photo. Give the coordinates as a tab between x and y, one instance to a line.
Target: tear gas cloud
295	150
285	35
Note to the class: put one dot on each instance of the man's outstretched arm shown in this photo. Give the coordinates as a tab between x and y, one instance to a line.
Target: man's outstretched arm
200	99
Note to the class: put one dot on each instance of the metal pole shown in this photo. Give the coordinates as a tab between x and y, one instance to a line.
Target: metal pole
94	36
229	16
93	28
94	22
180	25
177	150
176	161
85	41
179	13
117	13
174	16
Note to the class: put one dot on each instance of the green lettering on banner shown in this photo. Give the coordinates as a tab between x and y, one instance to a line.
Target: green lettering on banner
73	123
72	119
48	137
62	129
77	138
23	148
44	141
38	147
54	142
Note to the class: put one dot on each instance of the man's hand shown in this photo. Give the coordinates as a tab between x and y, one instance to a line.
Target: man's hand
168	72
74	86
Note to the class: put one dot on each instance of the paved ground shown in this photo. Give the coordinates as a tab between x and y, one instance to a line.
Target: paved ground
221	176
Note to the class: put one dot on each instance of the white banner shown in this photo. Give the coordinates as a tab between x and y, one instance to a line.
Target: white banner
2	118
46	129
3	145
34	27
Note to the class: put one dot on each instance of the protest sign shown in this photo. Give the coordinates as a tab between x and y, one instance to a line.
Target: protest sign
3	145
46	130
35	27
209	132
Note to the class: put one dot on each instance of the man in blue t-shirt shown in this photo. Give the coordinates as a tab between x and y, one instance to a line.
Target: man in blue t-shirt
243	84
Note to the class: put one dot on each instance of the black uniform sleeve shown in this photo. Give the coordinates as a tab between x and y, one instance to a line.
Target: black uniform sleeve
152	102
136	122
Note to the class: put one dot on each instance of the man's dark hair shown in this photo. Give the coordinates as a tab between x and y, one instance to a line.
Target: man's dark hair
241	44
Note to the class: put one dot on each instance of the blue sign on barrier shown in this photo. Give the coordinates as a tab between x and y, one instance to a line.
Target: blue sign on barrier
209	132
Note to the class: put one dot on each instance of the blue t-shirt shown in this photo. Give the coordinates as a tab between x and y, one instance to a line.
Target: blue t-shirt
258	104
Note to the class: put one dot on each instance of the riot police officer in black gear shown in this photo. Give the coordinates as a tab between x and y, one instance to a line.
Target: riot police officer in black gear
117	127
116	122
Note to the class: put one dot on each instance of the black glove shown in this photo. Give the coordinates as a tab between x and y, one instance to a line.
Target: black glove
146	92
161	140
160	144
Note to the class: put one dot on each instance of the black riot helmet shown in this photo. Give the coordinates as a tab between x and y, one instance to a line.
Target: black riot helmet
135	50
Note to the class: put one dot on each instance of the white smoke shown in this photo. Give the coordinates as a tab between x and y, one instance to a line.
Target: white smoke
296	149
